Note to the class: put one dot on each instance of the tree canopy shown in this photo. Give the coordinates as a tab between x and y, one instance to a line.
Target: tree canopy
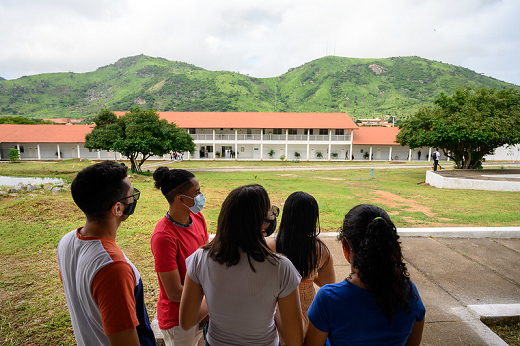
138	135
467	125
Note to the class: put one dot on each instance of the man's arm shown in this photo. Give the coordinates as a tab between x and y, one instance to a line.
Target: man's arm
171	282
126	337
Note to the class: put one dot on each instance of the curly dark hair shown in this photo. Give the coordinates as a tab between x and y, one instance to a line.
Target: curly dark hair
375	244
239	227
172	181
297	237
97	187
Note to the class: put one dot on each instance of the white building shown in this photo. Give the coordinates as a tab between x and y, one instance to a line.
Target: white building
237	136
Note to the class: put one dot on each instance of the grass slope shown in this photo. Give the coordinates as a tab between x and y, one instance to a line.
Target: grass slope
361	87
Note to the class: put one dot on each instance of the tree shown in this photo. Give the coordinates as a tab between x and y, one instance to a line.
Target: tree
138	135
467	125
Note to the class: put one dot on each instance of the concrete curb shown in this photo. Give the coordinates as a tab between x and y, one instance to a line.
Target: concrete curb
453	232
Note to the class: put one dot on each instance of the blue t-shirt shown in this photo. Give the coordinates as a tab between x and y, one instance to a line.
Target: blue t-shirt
349	314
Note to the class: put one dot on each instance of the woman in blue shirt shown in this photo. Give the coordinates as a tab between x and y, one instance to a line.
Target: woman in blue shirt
377	304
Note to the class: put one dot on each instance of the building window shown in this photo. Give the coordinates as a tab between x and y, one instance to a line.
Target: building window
293	131
324	132
339	132
277	131
192	131
306	132
22	149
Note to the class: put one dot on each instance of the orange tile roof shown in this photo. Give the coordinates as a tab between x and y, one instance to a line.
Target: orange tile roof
257	120
44	133
375	135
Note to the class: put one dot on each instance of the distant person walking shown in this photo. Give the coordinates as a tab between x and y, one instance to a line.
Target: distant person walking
419	155
435	157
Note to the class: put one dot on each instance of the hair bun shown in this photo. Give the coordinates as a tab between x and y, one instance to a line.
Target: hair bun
160	175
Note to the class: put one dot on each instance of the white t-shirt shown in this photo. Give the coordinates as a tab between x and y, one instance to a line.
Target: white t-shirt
242	302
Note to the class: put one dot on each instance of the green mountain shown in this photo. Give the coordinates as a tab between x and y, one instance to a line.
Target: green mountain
361	87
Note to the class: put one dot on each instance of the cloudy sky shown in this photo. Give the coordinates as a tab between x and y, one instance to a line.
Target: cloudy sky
261	38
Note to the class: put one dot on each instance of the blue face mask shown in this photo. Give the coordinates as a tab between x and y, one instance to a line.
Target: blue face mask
199	201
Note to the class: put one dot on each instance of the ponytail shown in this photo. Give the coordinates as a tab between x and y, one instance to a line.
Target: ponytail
378	259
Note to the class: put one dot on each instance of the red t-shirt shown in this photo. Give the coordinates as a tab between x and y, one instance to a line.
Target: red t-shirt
171	244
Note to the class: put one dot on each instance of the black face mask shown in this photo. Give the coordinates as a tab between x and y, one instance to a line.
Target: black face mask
272	226
130	208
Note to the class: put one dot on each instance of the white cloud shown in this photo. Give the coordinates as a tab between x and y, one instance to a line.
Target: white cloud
260	38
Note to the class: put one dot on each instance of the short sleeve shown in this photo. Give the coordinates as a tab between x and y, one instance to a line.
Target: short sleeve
164	250
113	290
289	278
420	309
192	265
317	312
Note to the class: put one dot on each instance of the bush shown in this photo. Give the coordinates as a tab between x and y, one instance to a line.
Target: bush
14	155
319	155
271	153
334	155
282	157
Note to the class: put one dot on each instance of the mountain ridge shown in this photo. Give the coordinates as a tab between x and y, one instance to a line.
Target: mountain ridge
383	87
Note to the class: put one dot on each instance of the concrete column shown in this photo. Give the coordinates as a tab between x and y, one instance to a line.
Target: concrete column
410	155
330	146
38	149
58	147
286	143
370	154
351	141
99	155
308	142
79	155
236	144
429	154
390	154
261	145
214	145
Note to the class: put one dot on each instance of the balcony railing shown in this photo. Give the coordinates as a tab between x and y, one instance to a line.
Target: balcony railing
258	137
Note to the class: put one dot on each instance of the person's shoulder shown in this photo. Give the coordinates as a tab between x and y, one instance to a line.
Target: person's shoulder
271	243
199	218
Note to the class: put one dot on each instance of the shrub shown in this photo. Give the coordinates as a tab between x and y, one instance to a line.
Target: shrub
14	155
282	157
319	155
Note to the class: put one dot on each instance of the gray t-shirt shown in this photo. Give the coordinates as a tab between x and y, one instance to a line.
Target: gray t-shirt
242	302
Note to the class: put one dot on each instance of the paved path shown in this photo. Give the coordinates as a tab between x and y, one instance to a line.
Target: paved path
452	274
353	165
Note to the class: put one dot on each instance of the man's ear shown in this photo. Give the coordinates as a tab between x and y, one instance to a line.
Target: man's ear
117	209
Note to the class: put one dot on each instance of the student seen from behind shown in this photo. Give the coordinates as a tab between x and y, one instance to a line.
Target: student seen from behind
103	289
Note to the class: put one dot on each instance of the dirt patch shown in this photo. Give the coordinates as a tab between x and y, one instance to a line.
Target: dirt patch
395	201
328	178
288	175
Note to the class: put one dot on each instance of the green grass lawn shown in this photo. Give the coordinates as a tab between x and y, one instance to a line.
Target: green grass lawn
33	308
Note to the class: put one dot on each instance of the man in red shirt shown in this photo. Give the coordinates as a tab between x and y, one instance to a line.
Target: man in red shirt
175	237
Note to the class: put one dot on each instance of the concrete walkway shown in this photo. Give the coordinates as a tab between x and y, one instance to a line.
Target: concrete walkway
460	280
464	275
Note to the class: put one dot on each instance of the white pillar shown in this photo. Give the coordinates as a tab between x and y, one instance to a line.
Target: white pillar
286	143
351	141
429	154
79	155
236	144
308	142
410	155
370	154
330	147
99	154
261	145
58	147
390	154
38	149
214	145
